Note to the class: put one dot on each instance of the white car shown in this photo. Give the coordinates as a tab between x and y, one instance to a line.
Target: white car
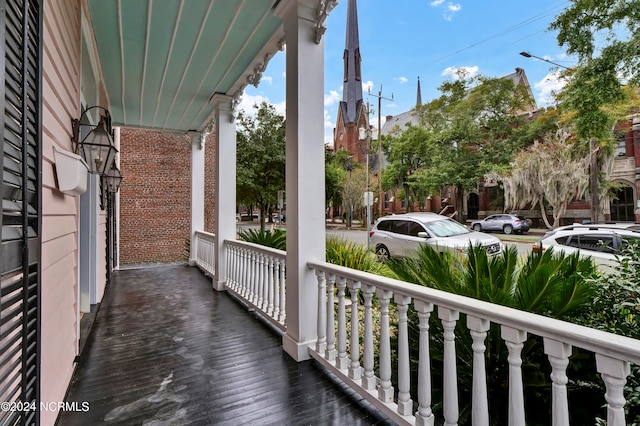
601	242
401	235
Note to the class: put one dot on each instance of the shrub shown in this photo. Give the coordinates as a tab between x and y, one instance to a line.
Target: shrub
616	308
276	238
545	283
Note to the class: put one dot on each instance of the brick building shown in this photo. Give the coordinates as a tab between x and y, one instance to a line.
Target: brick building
155	195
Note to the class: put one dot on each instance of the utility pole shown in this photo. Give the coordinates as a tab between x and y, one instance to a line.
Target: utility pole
380	193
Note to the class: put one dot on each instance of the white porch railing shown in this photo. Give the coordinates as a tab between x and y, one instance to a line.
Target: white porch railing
256	274
205	253
613	353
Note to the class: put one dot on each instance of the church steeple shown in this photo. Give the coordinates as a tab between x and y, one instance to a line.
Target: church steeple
419	97
352	88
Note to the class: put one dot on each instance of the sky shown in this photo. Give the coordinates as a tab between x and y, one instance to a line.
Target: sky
402	40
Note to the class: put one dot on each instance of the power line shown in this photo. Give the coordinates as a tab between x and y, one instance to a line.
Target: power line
542	15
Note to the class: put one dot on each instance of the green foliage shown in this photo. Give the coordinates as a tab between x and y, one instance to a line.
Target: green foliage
547	283
335	176
470	130
276	238
354	256
616	308
260	158
605	37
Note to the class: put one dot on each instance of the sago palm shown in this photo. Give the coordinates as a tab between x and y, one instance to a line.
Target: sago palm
544	283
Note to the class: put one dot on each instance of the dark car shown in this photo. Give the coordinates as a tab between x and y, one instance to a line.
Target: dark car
505	222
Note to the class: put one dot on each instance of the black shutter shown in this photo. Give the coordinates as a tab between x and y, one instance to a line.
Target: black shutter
20	123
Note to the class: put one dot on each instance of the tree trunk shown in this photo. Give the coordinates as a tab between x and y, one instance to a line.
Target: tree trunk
544	214
460	203
593	170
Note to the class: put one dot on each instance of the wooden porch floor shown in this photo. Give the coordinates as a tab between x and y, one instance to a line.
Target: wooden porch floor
168	350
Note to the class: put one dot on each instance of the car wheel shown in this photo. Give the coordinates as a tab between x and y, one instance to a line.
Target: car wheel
383	253
476	227
508	229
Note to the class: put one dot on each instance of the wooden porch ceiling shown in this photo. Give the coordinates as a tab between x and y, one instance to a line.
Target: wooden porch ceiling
167	349
162	61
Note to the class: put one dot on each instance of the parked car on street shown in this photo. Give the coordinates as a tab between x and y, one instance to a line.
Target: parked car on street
601	242
401	235
505	222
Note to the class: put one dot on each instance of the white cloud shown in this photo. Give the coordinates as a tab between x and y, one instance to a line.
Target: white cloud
436	2
455	72
401	79
248	101
452	9
367	85
331	98
548	87
268	79
284	75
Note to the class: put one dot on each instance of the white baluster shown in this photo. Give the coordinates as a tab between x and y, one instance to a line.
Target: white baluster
255	284
330	353
243	273
260	276
276	288
369	379
270	287
451	411
558	354
478	328
233	270
321	343
283	312
424	415
514	340
355	371
614	373
405	405
248	294
229	259
385	390
342	362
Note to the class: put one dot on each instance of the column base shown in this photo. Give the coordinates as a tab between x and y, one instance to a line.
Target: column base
296	350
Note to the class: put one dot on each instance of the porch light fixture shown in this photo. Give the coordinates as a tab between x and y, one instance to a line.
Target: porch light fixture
94	143
113	178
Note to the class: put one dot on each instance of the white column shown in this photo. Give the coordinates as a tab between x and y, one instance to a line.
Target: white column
304	174
225	209
197	191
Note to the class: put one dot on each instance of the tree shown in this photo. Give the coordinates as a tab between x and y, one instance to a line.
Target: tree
407	153
260	158
465	133
605	37
550	171
335	176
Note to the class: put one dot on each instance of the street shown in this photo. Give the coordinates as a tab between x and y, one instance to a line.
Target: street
522	242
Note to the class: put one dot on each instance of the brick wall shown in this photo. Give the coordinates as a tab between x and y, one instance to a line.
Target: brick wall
155	195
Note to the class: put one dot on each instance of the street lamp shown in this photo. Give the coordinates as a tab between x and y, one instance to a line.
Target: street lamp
529	55
366	134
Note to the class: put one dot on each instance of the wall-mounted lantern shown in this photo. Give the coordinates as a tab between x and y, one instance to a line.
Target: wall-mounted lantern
94	142
113	178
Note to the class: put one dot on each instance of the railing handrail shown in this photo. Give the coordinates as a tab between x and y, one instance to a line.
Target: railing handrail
257	247
205	234
613	345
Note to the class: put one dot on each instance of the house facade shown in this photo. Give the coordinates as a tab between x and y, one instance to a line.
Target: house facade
58	243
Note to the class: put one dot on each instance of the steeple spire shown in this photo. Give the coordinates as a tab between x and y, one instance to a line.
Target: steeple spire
352	90
419	97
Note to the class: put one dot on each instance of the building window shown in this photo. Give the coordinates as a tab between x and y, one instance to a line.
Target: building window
621	147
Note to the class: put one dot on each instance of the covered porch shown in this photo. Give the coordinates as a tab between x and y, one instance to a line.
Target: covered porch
167	349
308	300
